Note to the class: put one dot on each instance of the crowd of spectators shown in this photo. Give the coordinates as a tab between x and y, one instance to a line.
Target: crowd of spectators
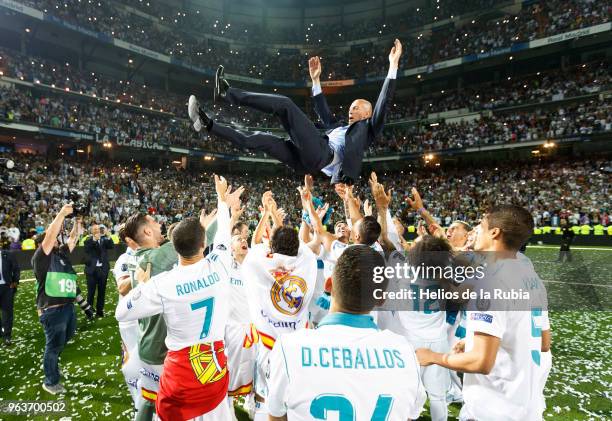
173	36
116	190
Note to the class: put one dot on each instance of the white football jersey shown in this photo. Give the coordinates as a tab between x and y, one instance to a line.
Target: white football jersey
194	299
121	269
344	369
239	299
280	289
511	391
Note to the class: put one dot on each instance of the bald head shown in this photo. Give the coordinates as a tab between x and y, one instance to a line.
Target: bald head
360	110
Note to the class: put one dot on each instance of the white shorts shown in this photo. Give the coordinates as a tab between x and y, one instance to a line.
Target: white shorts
240	352
262	364
149	380
436	379
131	372
220	413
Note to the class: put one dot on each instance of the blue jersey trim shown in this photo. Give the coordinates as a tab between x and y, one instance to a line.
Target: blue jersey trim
363	321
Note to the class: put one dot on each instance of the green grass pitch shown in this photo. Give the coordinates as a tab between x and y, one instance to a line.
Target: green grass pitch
578	388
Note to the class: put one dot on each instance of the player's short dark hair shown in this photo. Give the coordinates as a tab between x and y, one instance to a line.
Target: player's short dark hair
369	230
353	279
133	226
515	223
285	240
188	237
121	233
237	227
431	252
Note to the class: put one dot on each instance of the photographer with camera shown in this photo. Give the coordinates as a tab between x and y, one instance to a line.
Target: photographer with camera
56	293
97	265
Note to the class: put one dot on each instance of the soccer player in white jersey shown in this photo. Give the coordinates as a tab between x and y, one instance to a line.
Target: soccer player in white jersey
130	366
423	322
282	279
194	300
501	355
347	368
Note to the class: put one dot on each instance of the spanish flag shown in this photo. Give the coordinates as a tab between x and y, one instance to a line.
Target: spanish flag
195	381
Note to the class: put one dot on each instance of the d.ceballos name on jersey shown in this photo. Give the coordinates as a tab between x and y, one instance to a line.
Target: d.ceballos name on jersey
352	358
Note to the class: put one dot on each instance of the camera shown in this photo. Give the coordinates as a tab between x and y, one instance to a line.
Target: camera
79	206
84	305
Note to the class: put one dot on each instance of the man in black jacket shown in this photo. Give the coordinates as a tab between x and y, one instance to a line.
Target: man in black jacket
9	279
338	153
97	266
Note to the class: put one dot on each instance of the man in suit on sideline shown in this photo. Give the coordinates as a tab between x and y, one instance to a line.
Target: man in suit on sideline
9	279
97	266
338	153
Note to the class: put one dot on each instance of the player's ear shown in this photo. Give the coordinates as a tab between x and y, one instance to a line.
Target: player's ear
495	233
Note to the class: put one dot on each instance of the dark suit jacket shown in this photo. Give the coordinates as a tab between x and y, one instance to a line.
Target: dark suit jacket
97	251
10	267
360	135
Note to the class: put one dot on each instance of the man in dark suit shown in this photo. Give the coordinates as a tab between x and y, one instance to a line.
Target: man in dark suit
338	153
97	266
9	279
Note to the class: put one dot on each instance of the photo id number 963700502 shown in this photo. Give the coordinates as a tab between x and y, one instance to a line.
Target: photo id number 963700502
32	407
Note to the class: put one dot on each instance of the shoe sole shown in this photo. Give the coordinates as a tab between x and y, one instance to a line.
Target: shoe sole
192	110
46	389
218	74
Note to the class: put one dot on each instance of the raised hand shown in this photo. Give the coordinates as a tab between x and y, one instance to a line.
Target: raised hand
305	195
314	67
233	198
221	187
367	208
66	210
207	219
382	198
237	211
308	182
417	202
321	211
340	190
395	53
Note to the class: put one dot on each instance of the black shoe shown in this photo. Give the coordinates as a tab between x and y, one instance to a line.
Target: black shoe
197	115
221	84
100	314
7	342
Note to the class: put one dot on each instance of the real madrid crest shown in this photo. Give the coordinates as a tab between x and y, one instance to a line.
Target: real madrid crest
288	292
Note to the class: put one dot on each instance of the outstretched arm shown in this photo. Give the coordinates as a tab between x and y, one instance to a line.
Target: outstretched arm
418	207
320	103
263	221
386	93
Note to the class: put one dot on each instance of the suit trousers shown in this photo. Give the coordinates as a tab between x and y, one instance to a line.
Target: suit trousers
307	151
97	280
7	300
